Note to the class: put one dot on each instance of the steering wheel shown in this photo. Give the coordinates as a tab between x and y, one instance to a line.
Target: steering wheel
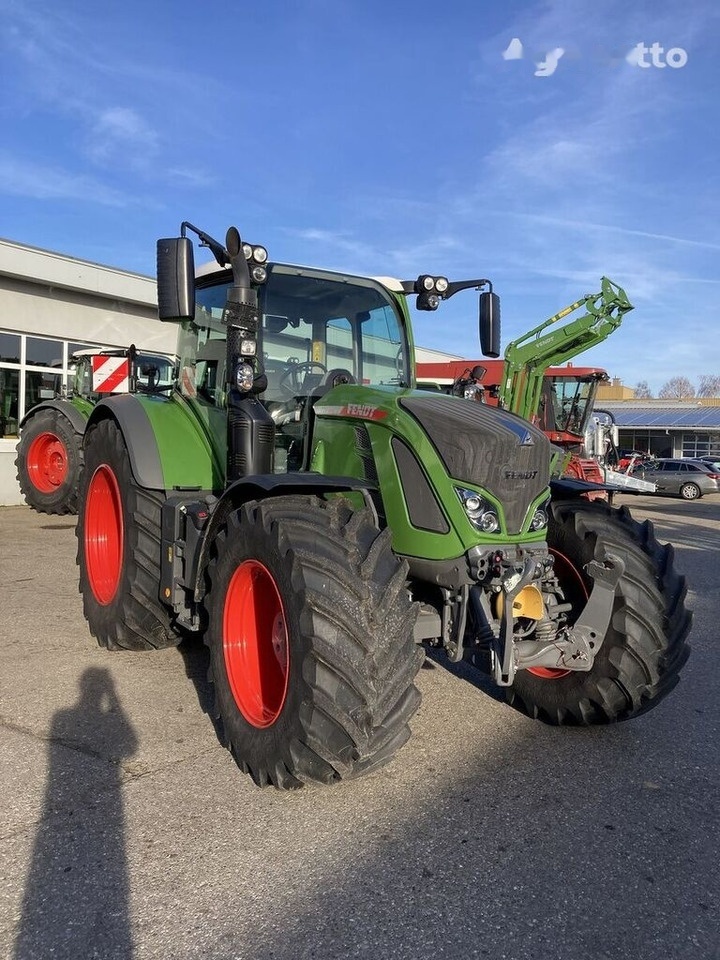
291	381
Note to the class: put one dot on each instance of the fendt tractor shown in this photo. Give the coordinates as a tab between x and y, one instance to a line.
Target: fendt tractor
318	520
50	454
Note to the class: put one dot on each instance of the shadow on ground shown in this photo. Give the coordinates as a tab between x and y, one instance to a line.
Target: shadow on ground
76	897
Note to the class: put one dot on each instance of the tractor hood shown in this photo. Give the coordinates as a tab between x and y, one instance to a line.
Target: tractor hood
470	443
487	447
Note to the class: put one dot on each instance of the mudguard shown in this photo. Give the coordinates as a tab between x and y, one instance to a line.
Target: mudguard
70	412
169	448
262	486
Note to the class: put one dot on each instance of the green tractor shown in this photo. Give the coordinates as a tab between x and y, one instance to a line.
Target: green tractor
49	455
318	521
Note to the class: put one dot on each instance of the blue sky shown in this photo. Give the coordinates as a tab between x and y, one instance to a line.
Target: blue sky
387	138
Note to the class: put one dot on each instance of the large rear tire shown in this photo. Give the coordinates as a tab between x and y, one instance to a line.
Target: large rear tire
49	463
119	546
645	646
311	642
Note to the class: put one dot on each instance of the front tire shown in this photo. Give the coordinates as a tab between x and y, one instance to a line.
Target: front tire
645	646
119	545
311	642
49	463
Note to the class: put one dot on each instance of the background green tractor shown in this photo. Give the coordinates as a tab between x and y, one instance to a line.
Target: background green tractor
317	520
49	455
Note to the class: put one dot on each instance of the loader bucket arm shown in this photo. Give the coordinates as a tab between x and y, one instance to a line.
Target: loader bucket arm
527	358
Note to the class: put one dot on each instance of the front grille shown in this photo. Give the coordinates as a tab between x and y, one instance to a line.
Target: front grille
487	447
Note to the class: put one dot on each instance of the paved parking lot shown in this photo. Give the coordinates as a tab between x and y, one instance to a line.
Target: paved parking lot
127	831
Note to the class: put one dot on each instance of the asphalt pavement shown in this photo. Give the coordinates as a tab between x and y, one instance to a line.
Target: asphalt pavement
128	832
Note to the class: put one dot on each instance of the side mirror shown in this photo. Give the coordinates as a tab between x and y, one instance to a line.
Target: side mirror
175	279
489	324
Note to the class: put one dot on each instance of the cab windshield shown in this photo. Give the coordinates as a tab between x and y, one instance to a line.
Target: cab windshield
568	404
318	330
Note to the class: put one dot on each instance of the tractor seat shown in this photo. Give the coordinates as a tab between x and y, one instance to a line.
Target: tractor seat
336	377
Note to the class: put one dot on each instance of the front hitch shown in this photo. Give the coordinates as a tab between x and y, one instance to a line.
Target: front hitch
575	647
503	659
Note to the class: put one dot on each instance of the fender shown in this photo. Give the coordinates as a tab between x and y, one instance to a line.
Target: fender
133	422
170	447
78	421
262	486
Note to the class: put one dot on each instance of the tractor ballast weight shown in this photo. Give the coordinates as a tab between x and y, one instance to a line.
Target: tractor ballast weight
318	520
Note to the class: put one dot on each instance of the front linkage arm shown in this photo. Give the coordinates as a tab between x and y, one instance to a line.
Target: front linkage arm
576	647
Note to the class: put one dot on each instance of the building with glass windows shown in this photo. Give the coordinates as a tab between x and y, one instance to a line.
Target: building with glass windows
50	306
667	428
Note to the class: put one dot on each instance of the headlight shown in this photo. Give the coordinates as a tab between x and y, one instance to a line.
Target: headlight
255	253
259	274
432	301
481	514
248	348
473	391
441	284
489	522
244	377
539	520
540	517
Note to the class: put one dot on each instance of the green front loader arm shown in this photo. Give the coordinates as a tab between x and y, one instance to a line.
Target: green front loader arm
527	358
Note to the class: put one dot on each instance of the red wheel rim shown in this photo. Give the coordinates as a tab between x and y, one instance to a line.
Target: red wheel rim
47	462
566	569
104	535
255	644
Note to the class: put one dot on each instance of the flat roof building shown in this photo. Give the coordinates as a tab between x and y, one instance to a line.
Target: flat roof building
51	305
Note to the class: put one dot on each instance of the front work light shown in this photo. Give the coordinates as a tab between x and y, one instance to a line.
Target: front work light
259	274
255	253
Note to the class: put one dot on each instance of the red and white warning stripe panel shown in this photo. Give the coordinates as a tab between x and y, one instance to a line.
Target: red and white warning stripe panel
111	374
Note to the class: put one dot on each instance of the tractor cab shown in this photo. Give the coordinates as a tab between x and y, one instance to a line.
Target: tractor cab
566	403
317	331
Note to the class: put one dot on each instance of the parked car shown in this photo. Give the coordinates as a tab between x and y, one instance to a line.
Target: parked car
689	479
712	462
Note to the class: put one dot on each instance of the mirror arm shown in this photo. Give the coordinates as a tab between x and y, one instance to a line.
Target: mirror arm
215	247
458	285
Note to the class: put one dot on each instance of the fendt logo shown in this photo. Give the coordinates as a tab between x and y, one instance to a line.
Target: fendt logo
111	374
520	474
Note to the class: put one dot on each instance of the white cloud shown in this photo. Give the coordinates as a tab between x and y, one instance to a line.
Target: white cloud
121	137
21	177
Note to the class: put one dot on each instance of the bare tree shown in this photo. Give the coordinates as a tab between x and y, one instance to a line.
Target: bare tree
709	385
642	390
677	388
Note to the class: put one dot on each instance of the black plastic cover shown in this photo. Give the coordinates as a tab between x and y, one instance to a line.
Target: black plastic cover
175	279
